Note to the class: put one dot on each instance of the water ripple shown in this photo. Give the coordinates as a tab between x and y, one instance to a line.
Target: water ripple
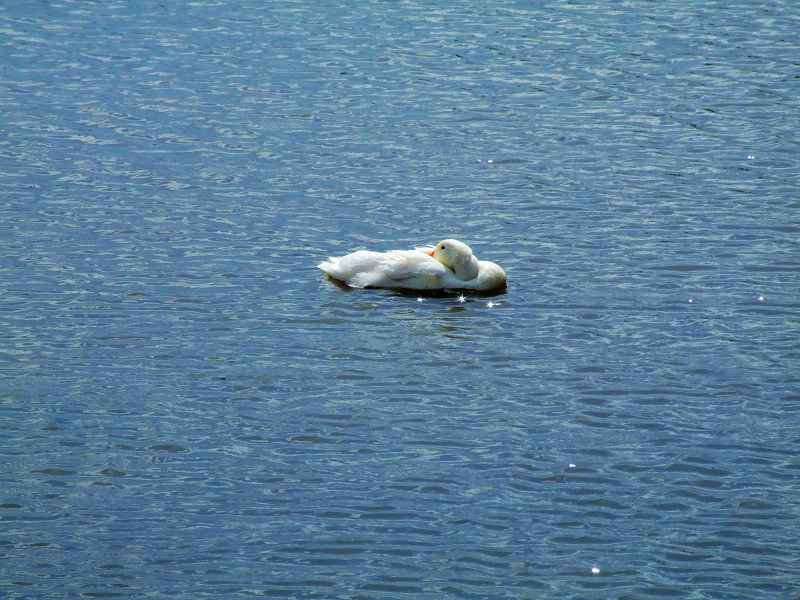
191	410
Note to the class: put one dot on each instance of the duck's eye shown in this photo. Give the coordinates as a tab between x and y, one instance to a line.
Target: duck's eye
444	247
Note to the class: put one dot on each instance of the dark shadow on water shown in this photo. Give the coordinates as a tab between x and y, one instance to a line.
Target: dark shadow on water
447	293
409	293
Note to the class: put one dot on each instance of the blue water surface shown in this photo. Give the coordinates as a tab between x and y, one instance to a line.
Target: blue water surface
188	409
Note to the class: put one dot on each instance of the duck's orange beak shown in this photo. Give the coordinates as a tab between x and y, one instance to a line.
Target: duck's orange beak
430	253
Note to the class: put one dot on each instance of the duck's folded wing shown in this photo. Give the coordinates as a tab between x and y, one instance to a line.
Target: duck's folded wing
404	264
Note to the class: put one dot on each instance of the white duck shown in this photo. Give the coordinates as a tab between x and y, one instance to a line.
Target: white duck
448	266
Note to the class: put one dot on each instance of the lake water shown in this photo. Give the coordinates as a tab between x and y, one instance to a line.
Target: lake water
190	410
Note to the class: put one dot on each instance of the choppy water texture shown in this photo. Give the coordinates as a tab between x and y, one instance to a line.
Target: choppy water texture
189	410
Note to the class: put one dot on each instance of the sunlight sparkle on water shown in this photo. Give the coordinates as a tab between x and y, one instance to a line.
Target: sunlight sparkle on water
419	299
595	570
462	299
490	304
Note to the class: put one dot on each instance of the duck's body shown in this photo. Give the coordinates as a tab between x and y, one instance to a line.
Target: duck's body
448	266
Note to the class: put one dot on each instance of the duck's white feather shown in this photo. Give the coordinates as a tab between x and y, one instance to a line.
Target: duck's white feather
404	264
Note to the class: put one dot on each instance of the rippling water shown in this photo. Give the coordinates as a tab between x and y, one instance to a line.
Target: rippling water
189	410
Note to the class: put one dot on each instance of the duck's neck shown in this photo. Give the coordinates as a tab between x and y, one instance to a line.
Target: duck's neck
467	270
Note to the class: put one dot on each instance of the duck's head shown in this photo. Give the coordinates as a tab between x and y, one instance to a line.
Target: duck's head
457	257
